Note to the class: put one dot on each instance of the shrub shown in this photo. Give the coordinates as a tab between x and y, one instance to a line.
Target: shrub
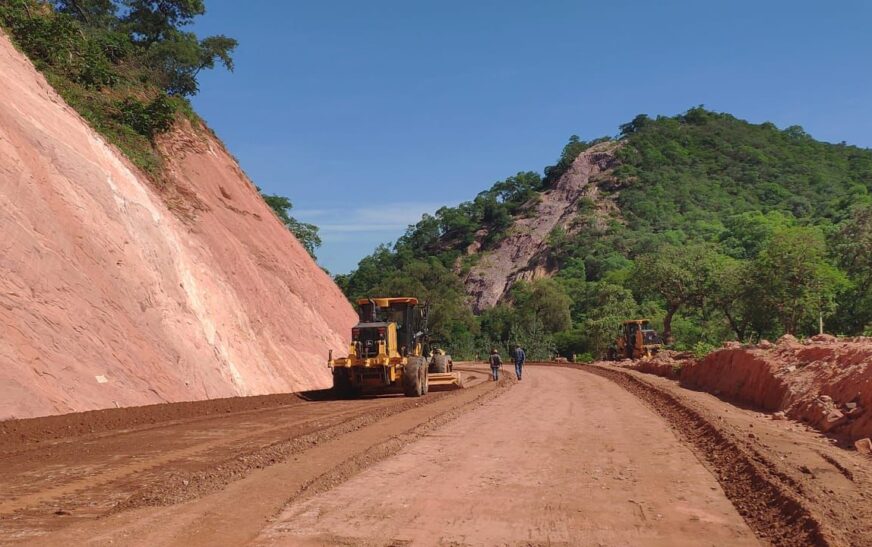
701	349
96	71
149	119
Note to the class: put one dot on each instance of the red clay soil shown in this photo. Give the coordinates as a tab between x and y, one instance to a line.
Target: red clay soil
562	458
789	482
824	382
19	434
235	460
117	292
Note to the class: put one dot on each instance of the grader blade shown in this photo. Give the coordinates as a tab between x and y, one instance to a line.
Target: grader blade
445	380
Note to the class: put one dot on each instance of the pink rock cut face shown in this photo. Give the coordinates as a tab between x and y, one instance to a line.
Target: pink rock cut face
113	295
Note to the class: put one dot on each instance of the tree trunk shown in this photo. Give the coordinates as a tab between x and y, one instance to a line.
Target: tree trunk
81	12
667	325
739	330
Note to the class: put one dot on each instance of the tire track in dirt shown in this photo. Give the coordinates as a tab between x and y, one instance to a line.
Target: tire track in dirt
760	493
177	488
235	513
86	479
166	470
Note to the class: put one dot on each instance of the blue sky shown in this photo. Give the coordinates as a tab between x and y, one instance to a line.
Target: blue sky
368	114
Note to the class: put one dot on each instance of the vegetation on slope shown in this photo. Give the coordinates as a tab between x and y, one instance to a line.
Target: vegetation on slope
307	234
128	67
727	230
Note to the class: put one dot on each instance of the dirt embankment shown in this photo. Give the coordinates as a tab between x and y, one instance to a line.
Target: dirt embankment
115	294
824	382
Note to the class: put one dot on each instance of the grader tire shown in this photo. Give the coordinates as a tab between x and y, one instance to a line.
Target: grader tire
440	364
425	380
412	380
342	387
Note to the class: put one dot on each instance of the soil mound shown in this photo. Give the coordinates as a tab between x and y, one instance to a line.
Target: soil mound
113	294
824	381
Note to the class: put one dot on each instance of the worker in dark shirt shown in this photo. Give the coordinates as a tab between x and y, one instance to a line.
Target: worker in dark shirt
520	357
495	364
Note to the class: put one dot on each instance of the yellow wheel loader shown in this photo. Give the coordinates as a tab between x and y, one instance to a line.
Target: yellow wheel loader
636	340
389	352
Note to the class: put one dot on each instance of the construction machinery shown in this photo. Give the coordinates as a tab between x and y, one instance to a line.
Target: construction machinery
390	352
636	340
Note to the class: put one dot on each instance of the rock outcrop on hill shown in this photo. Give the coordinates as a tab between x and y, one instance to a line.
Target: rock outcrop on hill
115	294
523	254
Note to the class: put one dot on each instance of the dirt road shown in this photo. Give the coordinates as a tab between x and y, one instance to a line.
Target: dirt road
561	459
566	457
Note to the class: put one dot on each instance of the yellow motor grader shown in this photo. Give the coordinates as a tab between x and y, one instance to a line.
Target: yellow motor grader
636	340
390	352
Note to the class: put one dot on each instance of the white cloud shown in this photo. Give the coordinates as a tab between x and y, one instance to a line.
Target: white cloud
390	219
349	234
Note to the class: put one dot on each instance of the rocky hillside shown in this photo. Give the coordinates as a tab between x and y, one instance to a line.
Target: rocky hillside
526	253
115	293
714	227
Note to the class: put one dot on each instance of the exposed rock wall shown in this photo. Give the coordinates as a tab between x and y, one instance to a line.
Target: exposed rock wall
112	294
523	254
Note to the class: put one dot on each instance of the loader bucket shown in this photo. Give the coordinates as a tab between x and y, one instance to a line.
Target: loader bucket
445	380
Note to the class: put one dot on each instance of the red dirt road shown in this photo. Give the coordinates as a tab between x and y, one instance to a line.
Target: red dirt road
563	458
590	455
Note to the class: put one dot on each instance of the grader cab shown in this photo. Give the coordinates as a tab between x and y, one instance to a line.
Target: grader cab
636	340
390	352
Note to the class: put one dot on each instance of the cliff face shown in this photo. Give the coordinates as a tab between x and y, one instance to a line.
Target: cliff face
523	255
112	294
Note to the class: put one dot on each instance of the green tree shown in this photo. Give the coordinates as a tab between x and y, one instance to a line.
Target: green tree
639	123
95	13
746	233
543	300
515	190
852	247
369	273
180	56
534	337
496	323
793	278
306	234
730	295
603	306
136	48
152	21
680	276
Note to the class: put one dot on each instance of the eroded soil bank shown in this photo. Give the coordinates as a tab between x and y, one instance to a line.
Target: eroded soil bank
823	381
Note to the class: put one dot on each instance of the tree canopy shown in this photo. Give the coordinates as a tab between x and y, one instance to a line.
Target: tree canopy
306	234
127	66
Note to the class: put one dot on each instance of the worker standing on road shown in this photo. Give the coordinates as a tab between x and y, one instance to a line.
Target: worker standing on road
520	357
495	363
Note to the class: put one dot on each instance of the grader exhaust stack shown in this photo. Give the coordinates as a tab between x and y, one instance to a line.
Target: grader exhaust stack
390	352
